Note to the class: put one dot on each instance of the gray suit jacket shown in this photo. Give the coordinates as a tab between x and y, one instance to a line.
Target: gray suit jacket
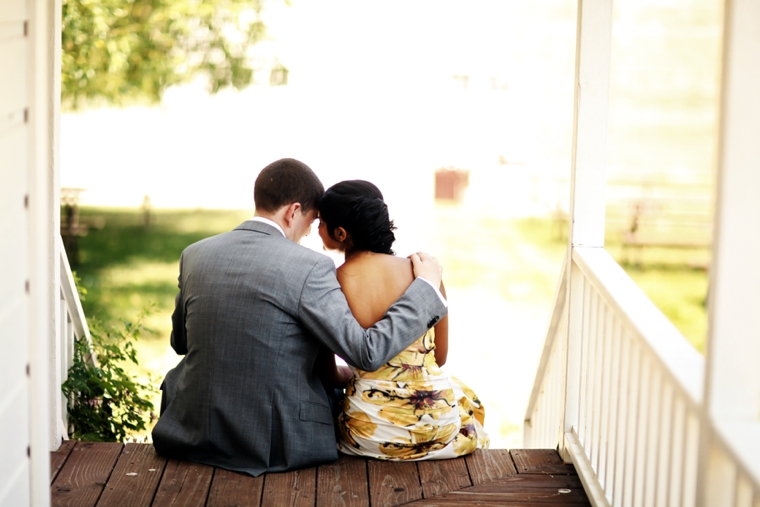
254	309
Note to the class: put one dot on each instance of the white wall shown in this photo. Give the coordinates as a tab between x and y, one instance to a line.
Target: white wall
14	265
28	228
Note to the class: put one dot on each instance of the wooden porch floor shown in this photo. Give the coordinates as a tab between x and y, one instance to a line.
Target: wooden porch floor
112	474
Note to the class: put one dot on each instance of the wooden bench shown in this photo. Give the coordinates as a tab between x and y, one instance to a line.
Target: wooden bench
114	474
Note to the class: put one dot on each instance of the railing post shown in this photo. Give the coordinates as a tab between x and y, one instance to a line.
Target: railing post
732	380
587	184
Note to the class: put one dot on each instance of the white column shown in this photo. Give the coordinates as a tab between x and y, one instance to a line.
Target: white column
53	198
732	388
42	233
592	78
732	380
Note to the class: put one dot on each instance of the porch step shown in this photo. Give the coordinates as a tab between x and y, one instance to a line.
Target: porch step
112	474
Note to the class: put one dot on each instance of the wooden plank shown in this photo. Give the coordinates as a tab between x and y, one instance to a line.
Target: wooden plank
135	477
510	500
488	466
441	476
297	488
516	490
540	461
343	483
520	482
393	483
59	457
230	489
184	484
80	482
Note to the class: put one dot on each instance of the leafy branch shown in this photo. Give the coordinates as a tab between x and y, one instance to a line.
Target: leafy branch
105	402
120	51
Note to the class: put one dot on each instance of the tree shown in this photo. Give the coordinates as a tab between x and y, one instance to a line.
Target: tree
124	51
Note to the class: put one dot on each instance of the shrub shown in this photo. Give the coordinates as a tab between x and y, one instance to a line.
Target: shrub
105	402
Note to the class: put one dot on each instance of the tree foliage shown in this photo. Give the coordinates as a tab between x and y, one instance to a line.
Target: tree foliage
120	51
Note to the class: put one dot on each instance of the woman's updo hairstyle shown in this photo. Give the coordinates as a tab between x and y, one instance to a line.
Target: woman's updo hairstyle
358	207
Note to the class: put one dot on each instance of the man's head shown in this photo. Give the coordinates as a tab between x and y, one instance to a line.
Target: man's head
284	182
285	187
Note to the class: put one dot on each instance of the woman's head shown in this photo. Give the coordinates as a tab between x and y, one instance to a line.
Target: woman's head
353	214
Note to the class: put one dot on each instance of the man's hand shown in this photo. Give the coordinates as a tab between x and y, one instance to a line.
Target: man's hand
426	266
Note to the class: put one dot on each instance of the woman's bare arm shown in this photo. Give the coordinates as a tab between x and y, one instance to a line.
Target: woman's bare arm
442	336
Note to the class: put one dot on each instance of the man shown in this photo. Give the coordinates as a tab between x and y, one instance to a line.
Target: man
253	312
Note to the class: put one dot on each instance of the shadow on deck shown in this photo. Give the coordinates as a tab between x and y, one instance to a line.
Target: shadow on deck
113	474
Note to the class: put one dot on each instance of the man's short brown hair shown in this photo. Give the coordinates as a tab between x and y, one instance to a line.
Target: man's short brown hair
284	182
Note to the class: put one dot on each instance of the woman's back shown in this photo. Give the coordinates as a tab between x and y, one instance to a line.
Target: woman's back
372	282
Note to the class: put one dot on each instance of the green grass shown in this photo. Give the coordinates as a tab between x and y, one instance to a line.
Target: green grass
126	266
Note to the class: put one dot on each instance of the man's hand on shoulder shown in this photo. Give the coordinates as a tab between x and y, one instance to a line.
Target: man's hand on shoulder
426	266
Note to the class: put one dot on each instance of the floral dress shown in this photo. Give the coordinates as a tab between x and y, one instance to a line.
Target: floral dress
410	410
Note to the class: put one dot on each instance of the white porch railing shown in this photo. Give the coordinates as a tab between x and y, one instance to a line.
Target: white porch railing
73	327
642	437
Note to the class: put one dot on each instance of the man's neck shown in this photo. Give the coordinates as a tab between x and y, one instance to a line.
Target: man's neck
270	220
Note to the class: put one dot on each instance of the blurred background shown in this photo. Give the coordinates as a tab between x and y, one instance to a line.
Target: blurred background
461	112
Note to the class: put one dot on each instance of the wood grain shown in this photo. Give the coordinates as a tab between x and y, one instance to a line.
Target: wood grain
82	478
393	483
135	477
516	490
343	483
488	466
540	461
522	481
232	489
349	482
439	477
59	457
184	484
293	489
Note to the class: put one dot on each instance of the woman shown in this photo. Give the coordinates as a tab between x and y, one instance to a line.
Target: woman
408	409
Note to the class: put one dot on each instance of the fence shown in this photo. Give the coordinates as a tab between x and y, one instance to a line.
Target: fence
638	434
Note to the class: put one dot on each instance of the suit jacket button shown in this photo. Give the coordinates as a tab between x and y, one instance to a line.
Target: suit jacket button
432	322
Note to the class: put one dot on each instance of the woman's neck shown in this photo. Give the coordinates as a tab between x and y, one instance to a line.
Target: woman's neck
353	255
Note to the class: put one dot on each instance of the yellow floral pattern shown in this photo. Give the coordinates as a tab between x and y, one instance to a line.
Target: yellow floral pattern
410	409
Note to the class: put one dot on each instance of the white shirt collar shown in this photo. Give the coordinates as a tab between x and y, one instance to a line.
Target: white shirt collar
269	222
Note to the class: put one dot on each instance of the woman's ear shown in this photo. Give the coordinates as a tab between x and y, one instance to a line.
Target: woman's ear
340	234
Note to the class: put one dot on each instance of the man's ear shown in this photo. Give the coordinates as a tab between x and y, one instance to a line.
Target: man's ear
290	213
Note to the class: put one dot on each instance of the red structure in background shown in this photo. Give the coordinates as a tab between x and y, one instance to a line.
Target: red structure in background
451	183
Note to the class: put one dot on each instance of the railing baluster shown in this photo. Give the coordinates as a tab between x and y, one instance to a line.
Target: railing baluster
583	409
614	420
639	480
691	458
623	427
605	400
598	333
664	443
678	438
653	434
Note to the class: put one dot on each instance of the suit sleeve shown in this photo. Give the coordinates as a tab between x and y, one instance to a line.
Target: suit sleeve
325	313
178	337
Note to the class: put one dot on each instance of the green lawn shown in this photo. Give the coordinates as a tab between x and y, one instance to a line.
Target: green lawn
126	266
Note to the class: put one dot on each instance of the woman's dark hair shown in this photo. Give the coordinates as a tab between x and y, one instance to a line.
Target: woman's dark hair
358	207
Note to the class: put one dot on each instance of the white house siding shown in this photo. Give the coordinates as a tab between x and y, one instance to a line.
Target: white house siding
14	267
